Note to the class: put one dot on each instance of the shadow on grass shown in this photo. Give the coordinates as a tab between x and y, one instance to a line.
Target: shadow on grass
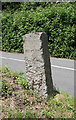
55	91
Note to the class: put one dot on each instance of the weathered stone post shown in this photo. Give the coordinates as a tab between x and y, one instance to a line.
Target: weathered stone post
37	60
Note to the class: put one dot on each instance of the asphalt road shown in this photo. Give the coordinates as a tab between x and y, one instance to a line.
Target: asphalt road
63	70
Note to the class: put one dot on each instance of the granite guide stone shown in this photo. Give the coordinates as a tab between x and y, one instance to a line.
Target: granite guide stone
37	62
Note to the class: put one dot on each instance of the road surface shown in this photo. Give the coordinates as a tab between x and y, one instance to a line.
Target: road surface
63	70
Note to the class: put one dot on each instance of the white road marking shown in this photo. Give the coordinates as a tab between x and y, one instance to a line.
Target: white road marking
63	67
61	59
13	59
51	65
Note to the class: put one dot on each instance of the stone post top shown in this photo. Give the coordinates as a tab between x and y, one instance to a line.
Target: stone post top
37	33
33	34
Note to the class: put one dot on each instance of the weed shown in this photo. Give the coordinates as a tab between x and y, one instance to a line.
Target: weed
70	107
5	69
22	81
6	90
47	113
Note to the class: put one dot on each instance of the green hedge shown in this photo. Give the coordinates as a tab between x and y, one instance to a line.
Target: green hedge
57	20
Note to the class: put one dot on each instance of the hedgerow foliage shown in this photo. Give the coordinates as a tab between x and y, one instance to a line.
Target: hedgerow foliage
56	19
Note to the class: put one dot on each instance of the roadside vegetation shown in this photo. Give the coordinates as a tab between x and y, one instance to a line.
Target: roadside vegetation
56	19
20	102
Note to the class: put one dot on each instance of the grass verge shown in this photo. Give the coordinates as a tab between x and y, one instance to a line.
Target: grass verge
20	102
